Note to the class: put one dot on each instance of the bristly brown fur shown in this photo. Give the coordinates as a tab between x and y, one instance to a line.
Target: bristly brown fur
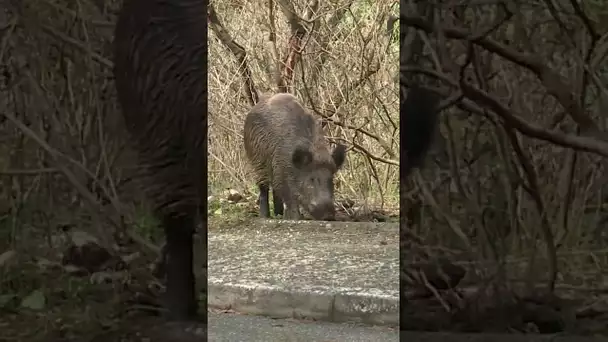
276	129
161	84
419	122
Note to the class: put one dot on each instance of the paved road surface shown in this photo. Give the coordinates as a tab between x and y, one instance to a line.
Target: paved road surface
228	327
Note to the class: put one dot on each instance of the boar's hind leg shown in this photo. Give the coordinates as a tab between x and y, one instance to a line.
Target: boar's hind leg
180	299
263	200
278	203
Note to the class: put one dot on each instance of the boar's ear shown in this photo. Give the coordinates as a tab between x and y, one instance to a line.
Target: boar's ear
301	157
339	155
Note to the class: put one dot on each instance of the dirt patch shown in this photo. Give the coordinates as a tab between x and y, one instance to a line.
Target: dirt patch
76	292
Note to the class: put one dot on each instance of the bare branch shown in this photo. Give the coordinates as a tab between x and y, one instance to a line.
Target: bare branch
552	81
531	130
237	50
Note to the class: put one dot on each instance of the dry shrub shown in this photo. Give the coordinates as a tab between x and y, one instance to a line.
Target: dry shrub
521	161
64	159
346	75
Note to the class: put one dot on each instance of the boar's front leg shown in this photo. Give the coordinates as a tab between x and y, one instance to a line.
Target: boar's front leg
278	203
292	208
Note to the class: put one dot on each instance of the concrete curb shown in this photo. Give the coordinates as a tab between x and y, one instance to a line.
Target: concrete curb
317	303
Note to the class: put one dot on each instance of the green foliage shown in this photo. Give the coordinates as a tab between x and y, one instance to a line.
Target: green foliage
36	300
597	10
224	209
146	225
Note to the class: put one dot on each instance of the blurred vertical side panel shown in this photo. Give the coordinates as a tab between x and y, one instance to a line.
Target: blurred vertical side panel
160	69
418	126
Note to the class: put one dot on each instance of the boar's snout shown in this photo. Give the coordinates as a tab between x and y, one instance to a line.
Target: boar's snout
322	210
